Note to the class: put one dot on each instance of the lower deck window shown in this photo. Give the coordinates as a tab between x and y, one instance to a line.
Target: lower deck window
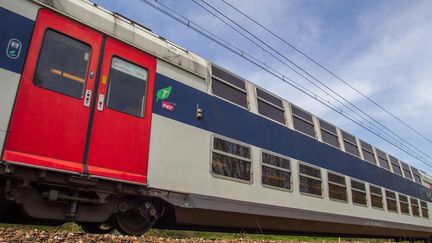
391	201
376	197
337	187
358	190
403	203
276	171
424	209
230	159
415	207
310	180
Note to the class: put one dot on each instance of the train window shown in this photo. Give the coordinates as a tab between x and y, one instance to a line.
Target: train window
270	106
276	171
368	153
382	159
416	175
337	187
310	180
229	87
403	204
127	87
415	207
424	209
230	159
376	197
395	165
391	201
329	134
358	190
63	64
350	144
303	121
406	171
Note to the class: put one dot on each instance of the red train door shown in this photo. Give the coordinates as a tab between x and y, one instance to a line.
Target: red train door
50	119
120	134
66	119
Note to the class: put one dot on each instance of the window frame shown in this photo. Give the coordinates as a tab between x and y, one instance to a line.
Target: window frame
395	199
358	190
337	184
418	206
321	129
378	151
270	104
363	149
107	95
398	164
373	193
218	176
277	168
413	170
403	171
356	144
248	107
293	116
427	209
407	203
310	177
39	57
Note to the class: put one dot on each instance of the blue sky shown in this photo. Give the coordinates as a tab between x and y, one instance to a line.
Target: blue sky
383	48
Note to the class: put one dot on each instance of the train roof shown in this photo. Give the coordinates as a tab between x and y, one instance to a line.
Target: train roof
126	30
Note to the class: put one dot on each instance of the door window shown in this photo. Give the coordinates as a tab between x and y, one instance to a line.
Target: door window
63	64
127	87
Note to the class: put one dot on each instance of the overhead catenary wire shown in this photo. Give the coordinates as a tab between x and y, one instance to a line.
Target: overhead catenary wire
188	23
382	126
329	71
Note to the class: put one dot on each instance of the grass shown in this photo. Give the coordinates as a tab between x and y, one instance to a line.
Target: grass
180	234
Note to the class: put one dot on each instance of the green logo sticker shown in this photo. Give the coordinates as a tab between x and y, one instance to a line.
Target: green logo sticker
164	93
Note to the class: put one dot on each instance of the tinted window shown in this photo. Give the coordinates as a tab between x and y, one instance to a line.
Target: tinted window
303	121
350	144
391	201
358	191
416	175
395	165
63	64
368	153
376	197
382	158
406	171
276	171
271	111
310	180
229	86
328	134
231	160
337	187
403	203
415	207
127	87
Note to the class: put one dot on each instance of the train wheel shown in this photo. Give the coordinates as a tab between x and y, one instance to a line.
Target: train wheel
97	228
136	221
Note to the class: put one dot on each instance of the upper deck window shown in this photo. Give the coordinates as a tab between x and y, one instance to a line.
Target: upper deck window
406	171
303	121
395	165
382	158
270	106
276	171
416	175
63	64
229	86
329	134
230	159
350	144
368	153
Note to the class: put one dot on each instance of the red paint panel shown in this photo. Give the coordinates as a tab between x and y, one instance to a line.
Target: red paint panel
49	128
119	144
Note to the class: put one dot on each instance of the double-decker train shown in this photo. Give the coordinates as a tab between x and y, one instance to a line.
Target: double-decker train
106	124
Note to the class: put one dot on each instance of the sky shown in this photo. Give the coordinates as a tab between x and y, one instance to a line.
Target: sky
382	48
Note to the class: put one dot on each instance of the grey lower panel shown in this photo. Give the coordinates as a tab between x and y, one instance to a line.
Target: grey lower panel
204	210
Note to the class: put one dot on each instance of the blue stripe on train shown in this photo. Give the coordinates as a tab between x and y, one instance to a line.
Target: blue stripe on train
223	118
14	27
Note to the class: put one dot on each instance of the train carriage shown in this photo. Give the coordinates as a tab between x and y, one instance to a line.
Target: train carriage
106	124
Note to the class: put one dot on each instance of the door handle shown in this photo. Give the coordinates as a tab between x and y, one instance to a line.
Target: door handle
100	103
87	98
